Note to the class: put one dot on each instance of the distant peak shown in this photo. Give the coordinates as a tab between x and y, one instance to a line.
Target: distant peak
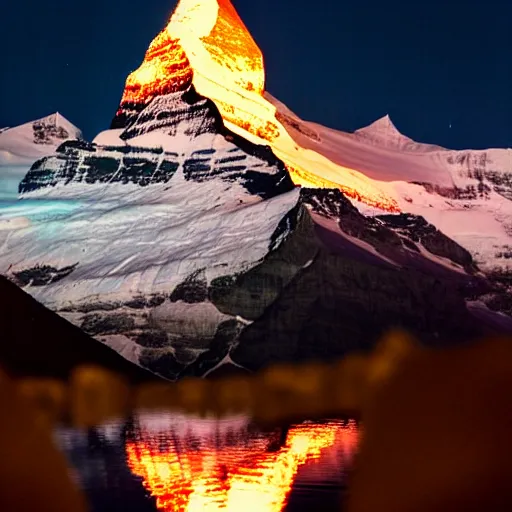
51	119
28	142
58	121
50	130
383	132
384	125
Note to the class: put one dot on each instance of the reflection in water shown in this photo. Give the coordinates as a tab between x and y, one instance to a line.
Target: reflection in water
192	464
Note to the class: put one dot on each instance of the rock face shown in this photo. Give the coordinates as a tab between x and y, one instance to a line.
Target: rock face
50	130
345	297
165	70
83	162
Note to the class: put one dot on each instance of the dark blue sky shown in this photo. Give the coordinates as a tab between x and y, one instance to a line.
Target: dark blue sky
342	63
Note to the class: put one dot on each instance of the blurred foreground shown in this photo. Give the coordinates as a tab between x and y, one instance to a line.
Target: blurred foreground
436	423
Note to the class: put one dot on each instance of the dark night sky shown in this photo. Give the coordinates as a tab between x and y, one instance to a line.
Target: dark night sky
342	63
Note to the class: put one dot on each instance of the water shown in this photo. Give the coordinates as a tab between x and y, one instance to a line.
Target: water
177	463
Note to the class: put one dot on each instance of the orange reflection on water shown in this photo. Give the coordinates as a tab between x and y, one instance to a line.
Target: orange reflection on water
232	470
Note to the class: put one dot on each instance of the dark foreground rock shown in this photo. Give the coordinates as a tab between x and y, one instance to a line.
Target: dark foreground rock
34	341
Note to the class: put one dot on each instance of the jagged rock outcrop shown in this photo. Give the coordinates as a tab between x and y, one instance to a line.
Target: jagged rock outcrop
81	162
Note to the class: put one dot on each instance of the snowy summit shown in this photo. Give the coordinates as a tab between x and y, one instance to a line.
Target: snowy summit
30	141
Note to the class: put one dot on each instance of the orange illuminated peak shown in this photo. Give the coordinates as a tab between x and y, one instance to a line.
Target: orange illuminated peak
218	44
165	69
216	39
207	44
231	45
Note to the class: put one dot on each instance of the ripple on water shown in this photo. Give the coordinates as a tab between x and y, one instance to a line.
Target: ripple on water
172	462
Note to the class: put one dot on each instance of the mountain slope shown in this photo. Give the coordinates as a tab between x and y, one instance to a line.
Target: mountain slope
467	193
186	247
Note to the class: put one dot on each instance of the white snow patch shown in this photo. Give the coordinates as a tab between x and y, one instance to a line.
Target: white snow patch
244	320
123	346
444	262
332	225
109	138
130	240
14	223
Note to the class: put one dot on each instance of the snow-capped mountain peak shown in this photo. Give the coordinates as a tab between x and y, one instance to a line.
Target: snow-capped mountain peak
384	133
22	145
383	129
56	126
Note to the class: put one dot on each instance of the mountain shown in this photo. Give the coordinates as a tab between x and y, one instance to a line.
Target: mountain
211	227
22	145
183	200
26	143
384	133
207	44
